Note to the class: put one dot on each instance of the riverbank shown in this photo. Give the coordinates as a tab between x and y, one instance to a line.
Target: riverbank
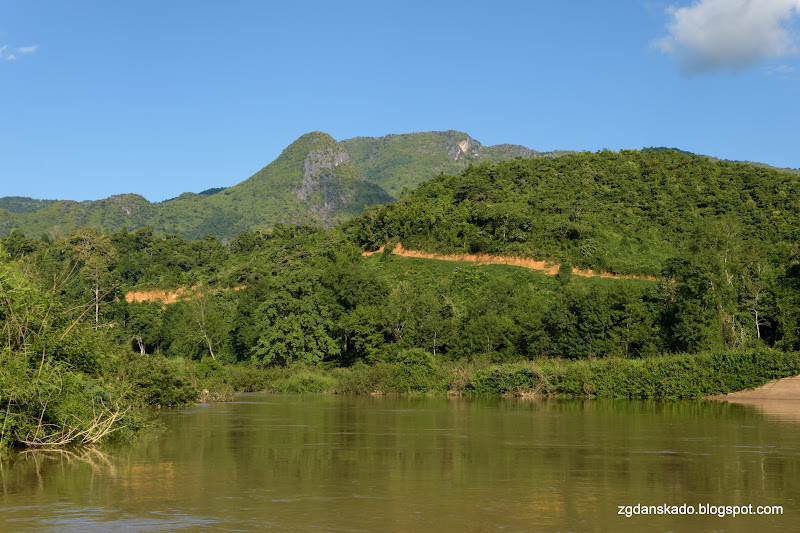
777	389
418	372
160	382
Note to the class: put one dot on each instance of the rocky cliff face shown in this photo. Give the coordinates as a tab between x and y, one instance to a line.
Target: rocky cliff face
316	169
463	149
331	188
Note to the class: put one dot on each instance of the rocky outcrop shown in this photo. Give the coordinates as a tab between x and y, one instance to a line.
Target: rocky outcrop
316	170
464	148
500	150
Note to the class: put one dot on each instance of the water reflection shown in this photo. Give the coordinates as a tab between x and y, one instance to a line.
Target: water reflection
288	463
783	410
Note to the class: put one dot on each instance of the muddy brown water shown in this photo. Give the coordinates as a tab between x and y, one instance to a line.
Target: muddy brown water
344	463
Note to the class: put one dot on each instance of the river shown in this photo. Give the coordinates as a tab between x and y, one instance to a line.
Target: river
346	463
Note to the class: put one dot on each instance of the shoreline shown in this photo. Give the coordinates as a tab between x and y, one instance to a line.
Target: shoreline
777	390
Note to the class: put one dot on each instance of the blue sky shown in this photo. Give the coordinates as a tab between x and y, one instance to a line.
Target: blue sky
158	98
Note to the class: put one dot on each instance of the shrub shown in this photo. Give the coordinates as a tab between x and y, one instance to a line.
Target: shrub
155	380
663	377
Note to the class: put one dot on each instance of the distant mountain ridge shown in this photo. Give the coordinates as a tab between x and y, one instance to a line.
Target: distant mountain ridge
311	182
23	204
315	180
397	162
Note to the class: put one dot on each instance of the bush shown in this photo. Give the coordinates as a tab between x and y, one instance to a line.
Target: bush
365	379
663	377
415	371
58	406
155	380
412	371
245	377
306	382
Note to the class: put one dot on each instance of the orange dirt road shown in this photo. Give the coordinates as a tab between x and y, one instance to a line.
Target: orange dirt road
541	266
168	297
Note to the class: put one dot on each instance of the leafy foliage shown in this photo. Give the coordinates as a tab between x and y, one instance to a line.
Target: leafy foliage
664	377
624	212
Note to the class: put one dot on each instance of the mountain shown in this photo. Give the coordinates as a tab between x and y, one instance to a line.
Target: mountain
21	204
397	162
316	180
311	182
62	216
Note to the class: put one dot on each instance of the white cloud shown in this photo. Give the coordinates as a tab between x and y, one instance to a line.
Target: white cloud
10	54
730	34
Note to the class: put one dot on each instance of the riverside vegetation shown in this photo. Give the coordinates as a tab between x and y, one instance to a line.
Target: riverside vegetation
720	310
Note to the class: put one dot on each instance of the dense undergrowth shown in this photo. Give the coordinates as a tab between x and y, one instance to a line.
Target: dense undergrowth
678	376
63	381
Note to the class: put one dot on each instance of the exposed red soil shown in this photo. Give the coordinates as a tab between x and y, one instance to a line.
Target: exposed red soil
165	296
541	266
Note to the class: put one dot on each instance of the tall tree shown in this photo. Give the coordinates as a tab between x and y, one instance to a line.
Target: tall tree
95	255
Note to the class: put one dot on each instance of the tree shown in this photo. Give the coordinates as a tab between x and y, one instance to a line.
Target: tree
95	255
295	326
144	325
211	327
692	319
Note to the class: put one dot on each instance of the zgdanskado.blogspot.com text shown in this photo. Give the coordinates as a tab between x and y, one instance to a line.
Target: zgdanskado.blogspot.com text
700	509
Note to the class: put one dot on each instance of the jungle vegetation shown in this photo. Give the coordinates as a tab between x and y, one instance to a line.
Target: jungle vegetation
296	307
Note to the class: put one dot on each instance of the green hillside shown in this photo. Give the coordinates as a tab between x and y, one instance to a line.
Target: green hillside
320	182
720	312
148	319
63	216
314	181
21	204
311	182
626	212
397	162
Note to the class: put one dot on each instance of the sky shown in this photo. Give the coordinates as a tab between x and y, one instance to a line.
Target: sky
162	97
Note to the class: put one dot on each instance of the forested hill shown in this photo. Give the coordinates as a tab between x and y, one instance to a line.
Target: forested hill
721	238
320	182
311	182
397	162
314	181
20	204
629	212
